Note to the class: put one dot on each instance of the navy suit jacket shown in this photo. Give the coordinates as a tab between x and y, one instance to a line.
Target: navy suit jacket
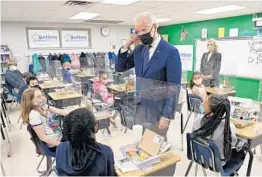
159	82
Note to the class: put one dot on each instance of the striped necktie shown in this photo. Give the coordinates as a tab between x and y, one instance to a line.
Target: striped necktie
146	56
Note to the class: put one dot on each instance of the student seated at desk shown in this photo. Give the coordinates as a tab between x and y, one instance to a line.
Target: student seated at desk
81	155
67	72
31	82
197	87
41	117
100	87
216	125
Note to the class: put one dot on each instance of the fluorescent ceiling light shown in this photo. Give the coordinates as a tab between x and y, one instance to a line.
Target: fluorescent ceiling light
84	16
119	2
160	20
220	9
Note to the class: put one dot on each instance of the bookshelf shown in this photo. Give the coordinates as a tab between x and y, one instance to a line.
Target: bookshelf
6	56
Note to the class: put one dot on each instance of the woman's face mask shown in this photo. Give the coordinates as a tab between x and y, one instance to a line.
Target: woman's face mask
13	67
210	47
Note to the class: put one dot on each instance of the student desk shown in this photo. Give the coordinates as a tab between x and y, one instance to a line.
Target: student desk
117	88
64	99
253	133
43	79
104	117
166	167
93	79
50	87
83	77
219	91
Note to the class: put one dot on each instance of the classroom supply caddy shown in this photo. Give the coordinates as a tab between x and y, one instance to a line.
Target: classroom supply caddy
141	155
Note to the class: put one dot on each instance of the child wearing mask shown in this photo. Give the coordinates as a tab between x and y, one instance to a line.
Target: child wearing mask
216	125
13	78
100	87
67	73
197	87
39	115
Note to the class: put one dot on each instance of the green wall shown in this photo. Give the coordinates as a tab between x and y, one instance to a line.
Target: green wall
246	88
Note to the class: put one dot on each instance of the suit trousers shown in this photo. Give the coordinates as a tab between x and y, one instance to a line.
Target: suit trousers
211	83
149	119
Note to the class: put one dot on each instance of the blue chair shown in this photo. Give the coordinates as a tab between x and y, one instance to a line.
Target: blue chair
43	150
206	154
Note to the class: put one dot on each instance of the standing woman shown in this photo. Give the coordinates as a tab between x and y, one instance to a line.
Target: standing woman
210	65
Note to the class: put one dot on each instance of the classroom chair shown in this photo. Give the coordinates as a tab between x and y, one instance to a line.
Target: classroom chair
2	168
193	104
43	150
13	97
103	124
205	153
127	119
5	114
4	134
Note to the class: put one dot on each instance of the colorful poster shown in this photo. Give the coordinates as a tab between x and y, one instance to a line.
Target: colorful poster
221	32
75	39
186	56
43	38
233	32
204	33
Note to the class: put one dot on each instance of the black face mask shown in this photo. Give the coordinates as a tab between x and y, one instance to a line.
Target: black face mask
146	39
36	86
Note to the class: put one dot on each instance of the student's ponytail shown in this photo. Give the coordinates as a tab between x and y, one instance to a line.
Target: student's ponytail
220	107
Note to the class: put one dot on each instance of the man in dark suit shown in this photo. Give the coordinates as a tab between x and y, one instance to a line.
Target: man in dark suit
158	74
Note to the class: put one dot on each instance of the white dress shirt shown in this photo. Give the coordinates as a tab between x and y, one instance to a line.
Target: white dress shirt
208	56
152	48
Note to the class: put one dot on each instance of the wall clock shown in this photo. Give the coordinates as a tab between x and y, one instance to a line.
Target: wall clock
105	31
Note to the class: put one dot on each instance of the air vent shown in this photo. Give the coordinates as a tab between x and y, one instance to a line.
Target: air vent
103	21
78	3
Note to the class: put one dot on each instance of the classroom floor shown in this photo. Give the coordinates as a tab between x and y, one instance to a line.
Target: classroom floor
24	161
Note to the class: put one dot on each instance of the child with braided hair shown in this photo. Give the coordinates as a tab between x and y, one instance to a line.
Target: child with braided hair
81	155
216	125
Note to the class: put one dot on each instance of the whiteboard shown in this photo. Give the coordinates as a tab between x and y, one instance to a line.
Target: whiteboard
240	57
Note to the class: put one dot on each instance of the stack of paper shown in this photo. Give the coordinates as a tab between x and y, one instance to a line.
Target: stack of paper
125	164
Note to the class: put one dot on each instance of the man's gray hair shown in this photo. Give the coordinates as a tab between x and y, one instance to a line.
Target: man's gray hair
146	15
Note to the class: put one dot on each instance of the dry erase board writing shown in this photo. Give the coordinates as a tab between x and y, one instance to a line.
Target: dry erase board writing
240	57
255	55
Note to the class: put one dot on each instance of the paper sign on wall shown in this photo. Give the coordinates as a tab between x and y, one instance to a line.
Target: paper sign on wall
43	38
75	38
221	32
233	32
204	33
186	56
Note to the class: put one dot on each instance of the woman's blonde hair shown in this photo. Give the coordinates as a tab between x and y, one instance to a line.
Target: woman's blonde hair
214	42
27	104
